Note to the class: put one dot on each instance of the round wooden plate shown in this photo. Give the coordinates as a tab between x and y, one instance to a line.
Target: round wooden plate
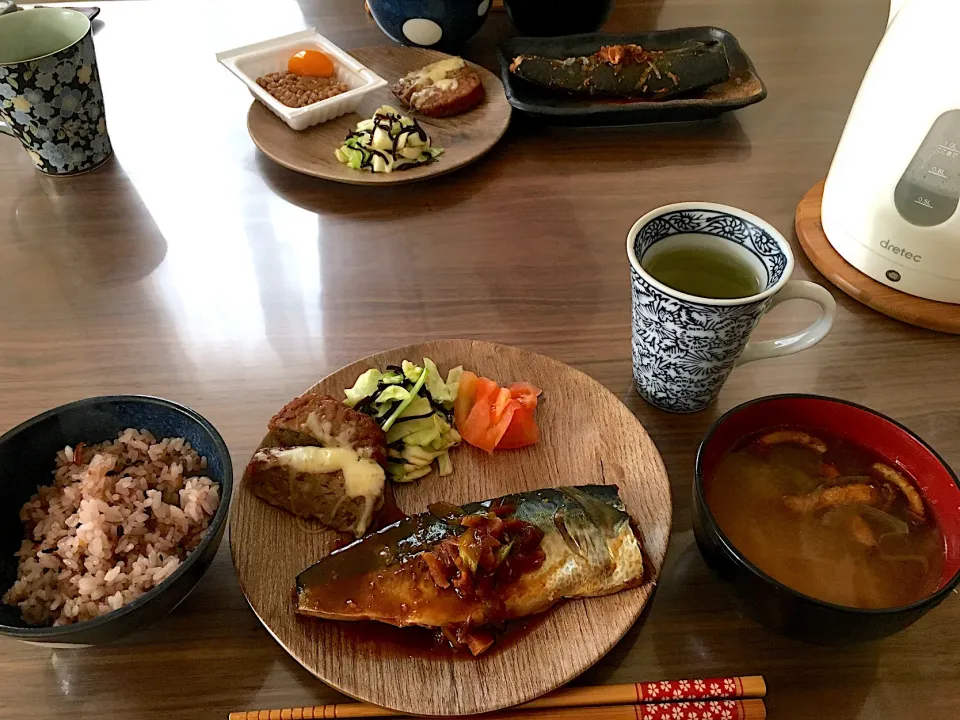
588	437
930	314
464	138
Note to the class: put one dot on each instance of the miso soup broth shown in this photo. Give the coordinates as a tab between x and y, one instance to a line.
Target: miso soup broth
827	518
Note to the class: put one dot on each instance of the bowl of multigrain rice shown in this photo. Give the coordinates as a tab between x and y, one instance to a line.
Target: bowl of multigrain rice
111	510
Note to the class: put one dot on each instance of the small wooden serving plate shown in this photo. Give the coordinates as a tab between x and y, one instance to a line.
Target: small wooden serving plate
464	138
587	437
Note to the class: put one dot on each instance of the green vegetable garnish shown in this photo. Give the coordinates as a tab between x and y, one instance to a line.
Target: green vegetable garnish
418	408
402	429
414	407
469	558
411	371
386	142
403	404
503	551
394	392
364	387
440	391
444	466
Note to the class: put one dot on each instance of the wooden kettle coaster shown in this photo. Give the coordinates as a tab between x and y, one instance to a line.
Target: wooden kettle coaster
930	314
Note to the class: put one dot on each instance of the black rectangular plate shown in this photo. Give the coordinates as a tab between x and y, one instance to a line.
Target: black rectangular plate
743	88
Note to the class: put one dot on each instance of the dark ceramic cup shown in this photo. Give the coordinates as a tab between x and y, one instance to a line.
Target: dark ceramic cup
550	18
778	606
50	96
27	455
438	24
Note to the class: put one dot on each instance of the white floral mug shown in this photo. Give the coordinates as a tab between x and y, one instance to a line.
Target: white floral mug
684	346
50	96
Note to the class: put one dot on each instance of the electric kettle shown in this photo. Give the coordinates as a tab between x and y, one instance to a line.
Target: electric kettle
890	200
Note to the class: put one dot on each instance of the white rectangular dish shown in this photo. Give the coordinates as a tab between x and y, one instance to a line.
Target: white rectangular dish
252	61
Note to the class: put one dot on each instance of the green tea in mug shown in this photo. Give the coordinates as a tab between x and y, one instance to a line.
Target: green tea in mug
704	270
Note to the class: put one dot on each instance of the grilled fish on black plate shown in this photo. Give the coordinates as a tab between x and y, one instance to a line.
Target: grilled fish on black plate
629	70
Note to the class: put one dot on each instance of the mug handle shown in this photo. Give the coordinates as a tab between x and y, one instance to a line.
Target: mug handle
803	340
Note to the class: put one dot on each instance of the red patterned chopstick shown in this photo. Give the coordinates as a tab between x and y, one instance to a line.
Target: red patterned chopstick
749	686
749	709
727	698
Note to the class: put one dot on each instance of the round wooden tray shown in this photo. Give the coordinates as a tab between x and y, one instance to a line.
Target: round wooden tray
930	314
588	436
464	138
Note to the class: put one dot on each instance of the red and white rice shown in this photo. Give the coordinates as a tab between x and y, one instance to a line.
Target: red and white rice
120	518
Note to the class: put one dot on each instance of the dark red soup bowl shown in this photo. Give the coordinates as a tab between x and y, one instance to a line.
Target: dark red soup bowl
782	608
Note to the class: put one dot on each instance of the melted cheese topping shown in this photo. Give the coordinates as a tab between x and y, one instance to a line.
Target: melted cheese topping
437	71
323	432
362	477
446	84
433	79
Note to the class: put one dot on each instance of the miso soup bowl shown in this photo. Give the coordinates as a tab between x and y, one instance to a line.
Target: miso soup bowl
782	608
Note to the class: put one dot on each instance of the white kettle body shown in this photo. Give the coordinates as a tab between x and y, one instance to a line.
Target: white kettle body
890	204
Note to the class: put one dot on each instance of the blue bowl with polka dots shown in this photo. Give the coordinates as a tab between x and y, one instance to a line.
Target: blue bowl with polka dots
438	24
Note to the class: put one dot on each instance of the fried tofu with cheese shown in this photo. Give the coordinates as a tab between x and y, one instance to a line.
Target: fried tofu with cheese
336	486
322	420
441	89
327	463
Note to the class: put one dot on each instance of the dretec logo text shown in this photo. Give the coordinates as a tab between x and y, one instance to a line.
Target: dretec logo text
902	252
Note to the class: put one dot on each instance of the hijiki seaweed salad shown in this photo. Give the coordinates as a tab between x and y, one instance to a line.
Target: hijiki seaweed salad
414	407
386	142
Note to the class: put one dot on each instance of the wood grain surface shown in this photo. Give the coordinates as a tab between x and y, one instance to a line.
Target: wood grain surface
464	137
940	316
587	437
191	266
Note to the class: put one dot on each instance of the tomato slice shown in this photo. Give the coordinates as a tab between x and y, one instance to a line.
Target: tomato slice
466	394
523	428
523	431
489	416
526	393
501	400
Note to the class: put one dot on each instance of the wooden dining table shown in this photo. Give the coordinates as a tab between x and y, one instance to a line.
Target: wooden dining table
192	267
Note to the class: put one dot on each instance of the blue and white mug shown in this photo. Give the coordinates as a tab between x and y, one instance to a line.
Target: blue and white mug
50	96
684	346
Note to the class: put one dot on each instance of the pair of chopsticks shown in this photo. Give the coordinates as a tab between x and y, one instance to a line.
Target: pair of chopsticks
729	698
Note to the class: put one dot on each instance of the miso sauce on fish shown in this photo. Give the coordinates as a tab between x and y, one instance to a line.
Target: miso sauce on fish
466	570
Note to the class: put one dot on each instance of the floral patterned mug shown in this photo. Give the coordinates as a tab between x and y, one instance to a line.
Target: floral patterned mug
684	346
50	96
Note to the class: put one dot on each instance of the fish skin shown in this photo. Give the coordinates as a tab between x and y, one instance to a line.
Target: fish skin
641	74
380	577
